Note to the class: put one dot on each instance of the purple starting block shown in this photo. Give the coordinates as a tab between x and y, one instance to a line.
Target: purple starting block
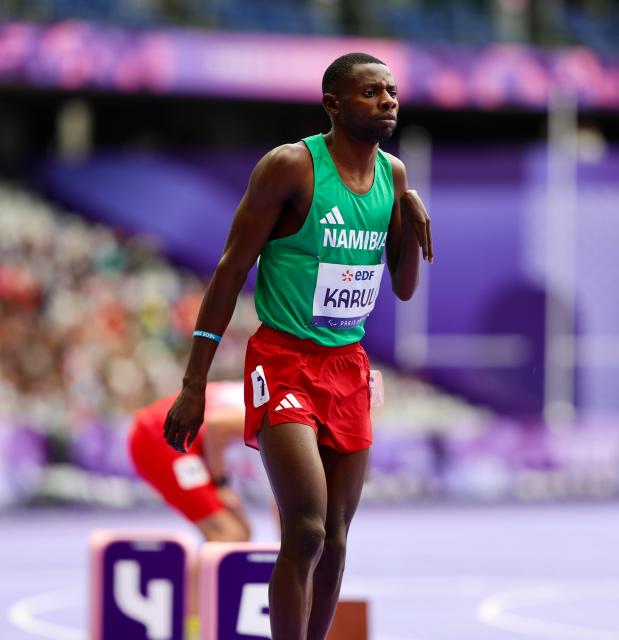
139	584
234	601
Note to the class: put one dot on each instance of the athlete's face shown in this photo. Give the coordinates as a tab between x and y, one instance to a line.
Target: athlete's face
366	104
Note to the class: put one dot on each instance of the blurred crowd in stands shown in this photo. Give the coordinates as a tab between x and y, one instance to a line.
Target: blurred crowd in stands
594	23
92	325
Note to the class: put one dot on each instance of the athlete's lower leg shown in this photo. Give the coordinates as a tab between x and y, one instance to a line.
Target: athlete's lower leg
326	585
290	589
295	470
344	474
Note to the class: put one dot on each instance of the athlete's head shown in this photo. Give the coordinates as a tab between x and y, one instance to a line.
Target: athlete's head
359	94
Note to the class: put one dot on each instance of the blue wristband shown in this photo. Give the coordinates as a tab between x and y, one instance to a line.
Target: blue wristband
208	335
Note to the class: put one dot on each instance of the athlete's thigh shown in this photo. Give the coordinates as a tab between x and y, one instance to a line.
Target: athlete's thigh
345	474
291	458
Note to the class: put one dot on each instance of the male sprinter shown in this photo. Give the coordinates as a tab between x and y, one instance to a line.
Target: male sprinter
195	484
319	213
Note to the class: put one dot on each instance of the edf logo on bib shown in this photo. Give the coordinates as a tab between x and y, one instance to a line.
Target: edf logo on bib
360	274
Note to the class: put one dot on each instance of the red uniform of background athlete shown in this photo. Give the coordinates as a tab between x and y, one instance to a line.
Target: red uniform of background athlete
182	480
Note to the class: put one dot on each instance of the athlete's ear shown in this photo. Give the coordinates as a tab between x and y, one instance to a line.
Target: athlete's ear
331	103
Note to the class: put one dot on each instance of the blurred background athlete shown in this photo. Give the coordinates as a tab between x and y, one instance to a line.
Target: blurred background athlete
195	484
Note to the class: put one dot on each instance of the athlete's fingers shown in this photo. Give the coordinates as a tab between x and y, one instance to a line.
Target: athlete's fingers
167	425
170	440
172	434
193	434
423	239
177	442
170	431
430	247
181	436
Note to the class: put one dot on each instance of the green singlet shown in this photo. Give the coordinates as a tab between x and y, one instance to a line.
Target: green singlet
322	282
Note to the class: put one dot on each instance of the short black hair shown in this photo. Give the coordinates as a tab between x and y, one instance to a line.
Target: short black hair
341	67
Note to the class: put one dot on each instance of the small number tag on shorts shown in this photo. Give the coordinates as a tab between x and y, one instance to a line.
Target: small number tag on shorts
377	390
261	390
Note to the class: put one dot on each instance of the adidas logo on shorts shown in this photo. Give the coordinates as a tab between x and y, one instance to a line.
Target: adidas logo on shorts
333	217
288	402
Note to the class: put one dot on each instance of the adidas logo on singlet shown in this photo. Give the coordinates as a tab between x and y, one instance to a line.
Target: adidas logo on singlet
288	402
333	217
350	238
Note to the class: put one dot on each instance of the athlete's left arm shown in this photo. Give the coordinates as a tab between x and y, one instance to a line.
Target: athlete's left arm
409	230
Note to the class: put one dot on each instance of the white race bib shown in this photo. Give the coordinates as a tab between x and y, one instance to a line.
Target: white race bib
190	472
345	294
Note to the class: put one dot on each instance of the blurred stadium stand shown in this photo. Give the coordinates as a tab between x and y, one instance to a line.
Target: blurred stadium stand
56	271
594	23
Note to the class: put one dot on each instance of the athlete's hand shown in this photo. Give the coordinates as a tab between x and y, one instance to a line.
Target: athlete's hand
184	419
411	206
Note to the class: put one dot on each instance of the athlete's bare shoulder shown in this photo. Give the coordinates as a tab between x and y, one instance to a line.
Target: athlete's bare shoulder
281	174
294	157
399	174
396	164
293	152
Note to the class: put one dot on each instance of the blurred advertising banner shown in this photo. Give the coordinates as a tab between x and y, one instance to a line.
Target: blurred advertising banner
74	54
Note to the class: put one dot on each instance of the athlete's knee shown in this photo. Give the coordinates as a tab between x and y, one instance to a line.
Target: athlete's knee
303	537
335	546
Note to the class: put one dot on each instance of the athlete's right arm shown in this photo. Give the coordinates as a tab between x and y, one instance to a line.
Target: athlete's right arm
275	180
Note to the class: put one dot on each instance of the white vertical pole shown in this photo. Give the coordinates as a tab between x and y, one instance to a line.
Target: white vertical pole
561	210
411	317
74	125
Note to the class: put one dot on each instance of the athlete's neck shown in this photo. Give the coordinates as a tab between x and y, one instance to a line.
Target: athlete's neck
355	156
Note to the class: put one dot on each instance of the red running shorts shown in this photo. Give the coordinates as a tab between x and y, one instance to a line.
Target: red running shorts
182	480
296	380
